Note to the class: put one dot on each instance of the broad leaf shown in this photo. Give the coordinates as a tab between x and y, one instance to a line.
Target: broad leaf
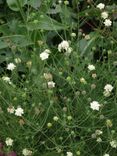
45	23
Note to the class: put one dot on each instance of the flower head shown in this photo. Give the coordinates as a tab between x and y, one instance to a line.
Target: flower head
91	67
6	79
11	66
19	111
107	22
95	105
69	154
44	55
101	6
108	88
104	15
26	152
113	143
51	84
9	141
64	45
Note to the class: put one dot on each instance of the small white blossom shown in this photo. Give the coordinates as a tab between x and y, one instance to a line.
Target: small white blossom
104	15
106	154
98	132
95	105
91	67
6	79
26	152
69	154
11	66
107	22
100	6
51	84
55	118
108	88
64	45
9	141
11	109
44	55
99	139
19	111
113	144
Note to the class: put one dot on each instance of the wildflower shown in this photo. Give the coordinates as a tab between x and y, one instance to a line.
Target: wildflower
91	67
48	76
106	154
104	15
73	34
82	80
11	109
100	6
113	143
99	139
107	22
26	152
11	66
69	118
98	132
55	118
51	84
19	111
95	105
44	55
9	141
6	79
69	154
64	45
108	88
94	75
49	125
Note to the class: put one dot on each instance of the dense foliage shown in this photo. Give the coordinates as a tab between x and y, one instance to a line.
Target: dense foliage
58	78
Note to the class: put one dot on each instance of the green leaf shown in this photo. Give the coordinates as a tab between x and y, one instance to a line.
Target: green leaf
86	45
45	23
15	4
3	45
35	3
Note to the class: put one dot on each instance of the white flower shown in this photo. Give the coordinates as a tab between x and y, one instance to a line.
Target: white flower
55	118
91	67
100	6
6	79
44	55
107	22
19	111
9	141
113	143
51	84
104	15
64	45
69	154
26	152
106	154
11	109
99	139
108	88
95	105
98	132
11	66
